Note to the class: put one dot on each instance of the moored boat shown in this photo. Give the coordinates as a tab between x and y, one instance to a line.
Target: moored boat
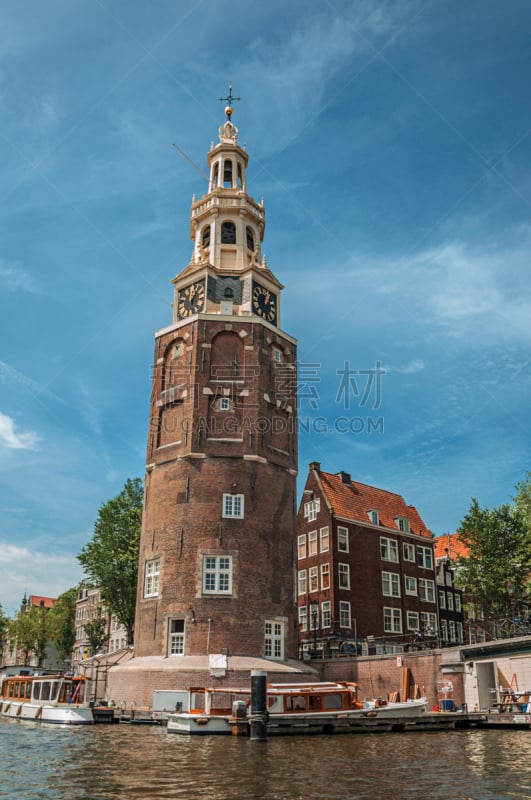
45	698
291	708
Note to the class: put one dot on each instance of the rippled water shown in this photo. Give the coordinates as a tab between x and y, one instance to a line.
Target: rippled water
45	762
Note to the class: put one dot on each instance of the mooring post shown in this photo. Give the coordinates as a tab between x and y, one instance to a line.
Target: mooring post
258	718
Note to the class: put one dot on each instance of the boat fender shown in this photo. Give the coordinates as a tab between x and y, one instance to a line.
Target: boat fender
38	712
19	710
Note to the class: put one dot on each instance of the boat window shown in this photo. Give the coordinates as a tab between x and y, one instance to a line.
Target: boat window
36	691
54	689
315	702
333	701
45	690
297	702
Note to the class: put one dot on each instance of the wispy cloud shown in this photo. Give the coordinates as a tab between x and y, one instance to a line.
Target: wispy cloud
35	572
414	366
14	278
14	440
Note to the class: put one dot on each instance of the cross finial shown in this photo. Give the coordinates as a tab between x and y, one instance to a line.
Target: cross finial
229	99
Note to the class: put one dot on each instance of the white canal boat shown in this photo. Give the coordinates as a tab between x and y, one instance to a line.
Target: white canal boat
291	708
45	698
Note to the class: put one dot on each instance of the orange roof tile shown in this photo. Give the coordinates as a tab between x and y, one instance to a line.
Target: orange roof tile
452	543
354	500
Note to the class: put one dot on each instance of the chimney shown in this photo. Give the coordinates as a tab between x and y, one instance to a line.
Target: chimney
315	465
345	477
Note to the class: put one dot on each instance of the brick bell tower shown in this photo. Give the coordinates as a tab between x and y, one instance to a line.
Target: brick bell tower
216	554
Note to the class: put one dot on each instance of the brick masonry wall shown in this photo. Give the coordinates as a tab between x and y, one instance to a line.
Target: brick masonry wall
378	676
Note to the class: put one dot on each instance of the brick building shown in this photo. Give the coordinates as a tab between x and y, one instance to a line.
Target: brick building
215	589
89	607
366	578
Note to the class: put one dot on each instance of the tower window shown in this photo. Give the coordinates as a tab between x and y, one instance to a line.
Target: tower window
176	637
217	574
152	578
233	505
227	173
274	640
240	178
205	237
215	175
228	233
250	238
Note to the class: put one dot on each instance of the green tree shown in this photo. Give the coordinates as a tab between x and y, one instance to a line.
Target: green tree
31	631
96	635
62	620
110	559
4	625
495	573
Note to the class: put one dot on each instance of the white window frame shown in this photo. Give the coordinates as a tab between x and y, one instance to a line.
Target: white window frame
217	569
444	630
389	549
325	575
410	585
426	590
314	616
224	404
392	619
303	618
312	544
176	639
374	516
313	579
391	584
301	546
326	614
342	539
274	639
402	523
409	552
324	539
428	621
442	599
233	506
343	576
302	583
312	508
458	602
413	621
345	615
424	557
450	600
152	577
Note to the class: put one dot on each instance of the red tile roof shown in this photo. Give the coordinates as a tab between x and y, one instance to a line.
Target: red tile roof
452	543
353	499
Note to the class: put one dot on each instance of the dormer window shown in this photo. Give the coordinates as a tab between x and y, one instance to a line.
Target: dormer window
402	523
374	516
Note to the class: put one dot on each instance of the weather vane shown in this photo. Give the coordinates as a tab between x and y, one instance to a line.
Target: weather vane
229	99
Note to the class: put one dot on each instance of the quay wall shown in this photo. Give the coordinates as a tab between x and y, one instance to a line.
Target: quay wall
379	676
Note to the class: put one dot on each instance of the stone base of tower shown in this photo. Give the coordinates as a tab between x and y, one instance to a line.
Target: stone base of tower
132	683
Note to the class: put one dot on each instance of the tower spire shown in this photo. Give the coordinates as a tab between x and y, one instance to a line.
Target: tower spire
229	99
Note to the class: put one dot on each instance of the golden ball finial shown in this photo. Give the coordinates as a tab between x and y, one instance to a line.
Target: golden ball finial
228	111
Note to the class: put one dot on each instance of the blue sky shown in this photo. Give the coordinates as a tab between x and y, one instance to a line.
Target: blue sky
391	143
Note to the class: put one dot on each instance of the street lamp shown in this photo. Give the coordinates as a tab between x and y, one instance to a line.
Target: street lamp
314	612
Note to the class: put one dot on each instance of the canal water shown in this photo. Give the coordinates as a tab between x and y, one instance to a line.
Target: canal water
45	762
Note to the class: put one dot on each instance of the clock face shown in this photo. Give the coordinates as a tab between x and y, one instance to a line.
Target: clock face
264	303
191	299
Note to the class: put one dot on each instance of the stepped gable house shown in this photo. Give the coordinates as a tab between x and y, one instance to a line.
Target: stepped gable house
365	569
